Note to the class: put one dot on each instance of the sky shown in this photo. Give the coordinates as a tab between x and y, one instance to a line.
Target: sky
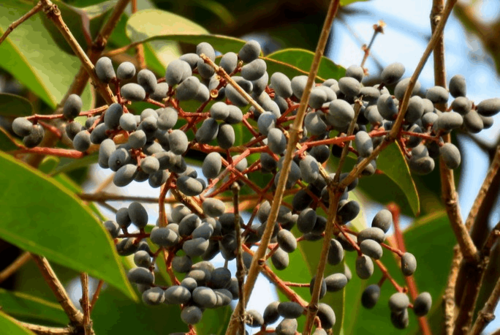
404	40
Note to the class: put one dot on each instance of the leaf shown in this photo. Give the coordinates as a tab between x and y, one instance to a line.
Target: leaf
154	22
30	55
6	141
434	259
303	59
116	314
214	321
220	43
9	326
42	216
392	162
14	105
348	2
22	305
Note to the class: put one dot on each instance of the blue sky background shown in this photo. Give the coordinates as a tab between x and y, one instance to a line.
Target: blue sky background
404	41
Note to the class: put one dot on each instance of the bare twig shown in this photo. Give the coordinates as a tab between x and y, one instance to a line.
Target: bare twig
377	28
295	131
240	266
410	281
74	315
84	302
335	193
493	170
16	23
139	49
16	265
43	330
96	295
449	293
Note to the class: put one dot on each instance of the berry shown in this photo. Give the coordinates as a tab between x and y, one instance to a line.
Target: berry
290	309
271	314
336	282
254	318
71	109
451	155
104	69
178	142
153	296
250	51
207	132
422	304
392	73
147	80
213	207
383	220
335	252
408	264
125	71
458	87
191	315
286	241
254	70
370	296
229	62
212	165
371	249
364	267
204	297
398	302
140	276
276	141
133	92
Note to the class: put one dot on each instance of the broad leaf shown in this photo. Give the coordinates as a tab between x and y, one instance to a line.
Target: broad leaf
30	55
56	226
303	59
154	22
21	305
14	105
9	326
434	259
392	162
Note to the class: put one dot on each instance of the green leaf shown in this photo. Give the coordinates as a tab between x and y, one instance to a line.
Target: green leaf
6	141
154	22
303	59
116	314
21	305
9	326
14	105
219	42
393	163
42	216
434	259
348	2
214	321
30	55
48	164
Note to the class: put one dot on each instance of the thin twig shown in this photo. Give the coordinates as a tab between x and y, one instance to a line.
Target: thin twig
139	49
57	288
296	130
84	302
493	170
96	295
377	28
486	315
449	293
44	330
14	266
240	266
23	18
410	281
335	193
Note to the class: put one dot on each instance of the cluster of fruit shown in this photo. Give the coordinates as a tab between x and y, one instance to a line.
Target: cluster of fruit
152	145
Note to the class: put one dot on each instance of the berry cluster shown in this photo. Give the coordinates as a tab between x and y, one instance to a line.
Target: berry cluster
152	145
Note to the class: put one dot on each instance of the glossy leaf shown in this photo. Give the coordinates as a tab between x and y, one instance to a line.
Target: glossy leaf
9	326
21	305
153	22
30	55
392	162
14	105
56	226
433	258
303	59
